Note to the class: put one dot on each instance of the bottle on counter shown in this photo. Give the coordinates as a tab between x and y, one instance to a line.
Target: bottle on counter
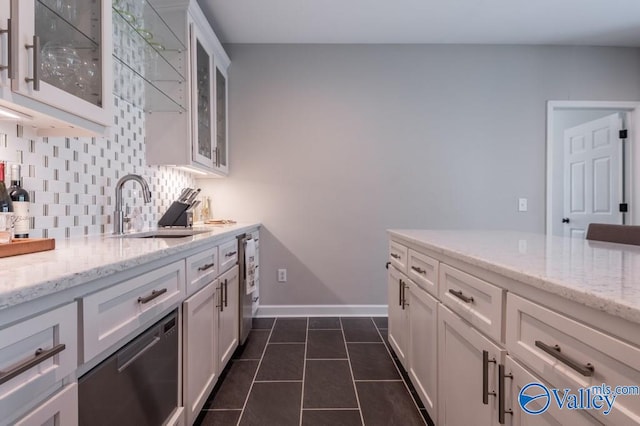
20	198
6	206
206	209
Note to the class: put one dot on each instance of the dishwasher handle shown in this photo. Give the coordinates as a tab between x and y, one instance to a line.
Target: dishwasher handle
125	358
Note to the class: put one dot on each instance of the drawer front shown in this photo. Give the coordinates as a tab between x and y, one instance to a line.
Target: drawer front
473	299
532	333
202	268
423	270
398	256
228	255
111	314
60	409
56	334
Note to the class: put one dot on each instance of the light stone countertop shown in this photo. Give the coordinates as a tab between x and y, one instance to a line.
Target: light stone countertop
77	261
604	276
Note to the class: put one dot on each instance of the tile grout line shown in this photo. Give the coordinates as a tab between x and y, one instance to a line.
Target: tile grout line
401	377
353	379
304	368
246	399
330	409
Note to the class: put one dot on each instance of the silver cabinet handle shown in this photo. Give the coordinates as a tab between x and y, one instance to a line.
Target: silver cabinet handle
231	253
461	296
207	266
226	293
419	270
586	369
221	297
501	394
39	356
404	296
395	256
217	154
8	67
153	295
485	377
400	285
36	63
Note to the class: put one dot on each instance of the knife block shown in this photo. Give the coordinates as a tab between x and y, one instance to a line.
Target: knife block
177	215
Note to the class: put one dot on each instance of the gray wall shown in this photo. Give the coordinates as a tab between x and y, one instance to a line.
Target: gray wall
331	145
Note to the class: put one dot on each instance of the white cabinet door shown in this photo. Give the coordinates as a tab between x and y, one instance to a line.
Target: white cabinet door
62	56
200	348
516	379
202	78
228	315
60	409
398	314
221	163
466	359
423	347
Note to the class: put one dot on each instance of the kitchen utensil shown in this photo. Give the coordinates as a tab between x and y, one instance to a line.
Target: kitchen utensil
184	195
193	196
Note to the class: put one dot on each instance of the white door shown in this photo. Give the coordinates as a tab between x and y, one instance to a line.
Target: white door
592	174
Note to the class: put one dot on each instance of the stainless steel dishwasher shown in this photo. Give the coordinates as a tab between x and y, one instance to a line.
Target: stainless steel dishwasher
138	385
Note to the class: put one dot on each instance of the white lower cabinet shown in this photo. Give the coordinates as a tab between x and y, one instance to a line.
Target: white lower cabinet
59	410
422	353
200	313
35	355
516	378
468	373
229	315
398	332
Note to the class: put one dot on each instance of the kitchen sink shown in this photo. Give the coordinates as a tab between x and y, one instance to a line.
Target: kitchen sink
165	233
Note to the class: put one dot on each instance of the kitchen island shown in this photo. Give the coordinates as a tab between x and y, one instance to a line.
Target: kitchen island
503	309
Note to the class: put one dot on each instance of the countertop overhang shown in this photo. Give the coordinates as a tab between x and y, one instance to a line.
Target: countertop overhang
599	275
77	261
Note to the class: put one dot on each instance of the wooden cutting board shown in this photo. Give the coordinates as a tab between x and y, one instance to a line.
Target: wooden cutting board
26	245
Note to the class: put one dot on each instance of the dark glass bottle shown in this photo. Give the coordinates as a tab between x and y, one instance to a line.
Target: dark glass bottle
20	199
5	200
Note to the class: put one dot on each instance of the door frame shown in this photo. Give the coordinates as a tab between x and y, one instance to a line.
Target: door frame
633	155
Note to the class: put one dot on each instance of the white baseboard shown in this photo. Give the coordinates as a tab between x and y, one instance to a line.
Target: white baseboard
321	311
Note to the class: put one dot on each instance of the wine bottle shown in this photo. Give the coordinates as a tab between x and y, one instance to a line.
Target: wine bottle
20	200
5	200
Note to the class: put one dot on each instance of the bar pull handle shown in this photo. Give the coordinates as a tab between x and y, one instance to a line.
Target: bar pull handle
501	394
485	377
221	297
207	266
395	256
419	270
36	63
461	296
404	296
400	285
231	253
387	265
226	293
153	295
555	351
9	67
39	356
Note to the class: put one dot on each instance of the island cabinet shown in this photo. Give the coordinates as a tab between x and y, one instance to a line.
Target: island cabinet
473	334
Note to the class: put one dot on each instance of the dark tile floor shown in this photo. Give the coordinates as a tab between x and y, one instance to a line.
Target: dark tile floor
314	371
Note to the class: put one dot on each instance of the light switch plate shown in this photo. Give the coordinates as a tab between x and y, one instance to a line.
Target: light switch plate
522	204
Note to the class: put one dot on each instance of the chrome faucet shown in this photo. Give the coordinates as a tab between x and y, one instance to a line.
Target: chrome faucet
118	214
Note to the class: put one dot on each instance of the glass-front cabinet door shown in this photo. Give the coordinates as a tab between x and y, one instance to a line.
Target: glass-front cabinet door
202	101
222	154
5	19
63	55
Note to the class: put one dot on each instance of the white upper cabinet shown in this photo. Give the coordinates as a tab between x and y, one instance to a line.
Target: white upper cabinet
197	139
59	65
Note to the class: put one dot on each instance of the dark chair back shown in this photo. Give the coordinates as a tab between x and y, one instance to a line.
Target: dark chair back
623	234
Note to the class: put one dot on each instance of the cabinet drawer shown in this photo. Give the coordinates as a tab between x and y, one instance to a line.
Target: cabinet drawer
111	314
423	270
532	333
60	409
473	299
228	255
54	332
202	268
398	256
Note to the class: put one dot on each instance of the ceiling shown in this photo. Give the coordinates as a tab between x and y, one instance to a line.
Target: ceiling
573	22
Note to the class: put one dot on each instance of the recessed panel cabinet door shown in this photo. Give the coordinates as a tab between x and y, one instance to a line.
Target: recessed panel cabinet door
228	314
62	55
398	333
202	104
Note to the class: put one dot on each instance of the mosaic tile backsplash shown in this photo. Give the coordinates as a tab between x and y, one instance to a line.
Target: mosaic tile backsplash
71	181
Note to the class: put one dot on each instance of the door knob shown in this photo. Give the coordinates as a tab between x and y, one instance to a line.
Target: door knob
565	220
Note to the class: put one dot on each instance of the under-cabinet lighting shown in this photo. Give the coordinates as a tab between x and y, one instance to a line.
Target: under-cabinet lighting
190	170
8	113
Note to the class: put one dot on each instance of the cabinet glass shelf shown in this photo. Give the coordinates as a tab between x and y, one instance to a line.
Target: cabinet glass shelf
158	96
